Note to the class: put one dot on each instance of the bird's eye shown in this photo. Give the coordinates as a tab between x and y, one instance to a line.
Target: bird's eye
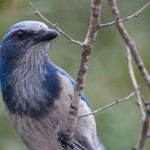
21	35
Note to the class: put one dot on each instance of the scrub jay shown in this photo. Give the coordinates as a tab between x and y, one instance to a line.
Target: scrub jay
35	91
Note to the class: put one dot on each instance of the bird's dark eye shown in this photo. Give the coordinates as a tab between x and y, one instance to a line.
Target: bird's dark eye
21	35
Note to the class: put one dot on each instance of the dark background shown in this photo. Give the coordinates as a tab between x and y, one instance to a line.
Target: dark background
108	77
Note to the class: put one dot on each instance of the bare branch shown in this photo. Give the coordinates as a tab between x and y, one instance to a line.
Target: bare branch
144	131
84	63
130	43
142	69
127	18
145	103
133	79
54	25
109	105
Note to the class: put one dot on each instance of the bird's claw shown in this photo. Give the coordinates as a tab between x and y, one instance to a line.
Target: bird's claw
66	142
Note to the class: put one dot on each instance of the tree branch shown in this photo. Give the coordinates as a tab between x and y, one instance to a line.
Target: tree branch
134	82
83	67
54	25
144	131
142	69
109	105
129	41
127	18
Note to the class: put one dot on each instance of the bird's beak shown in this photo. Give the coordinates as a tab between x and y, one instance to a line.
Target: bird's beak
45	35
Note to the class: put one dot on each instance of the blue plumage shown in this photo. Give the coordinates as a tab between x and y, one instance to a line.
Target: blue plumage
73	84
35	91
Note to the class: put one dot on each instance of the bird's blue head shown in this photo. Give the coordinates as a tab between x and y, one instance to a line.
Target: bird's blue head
23	37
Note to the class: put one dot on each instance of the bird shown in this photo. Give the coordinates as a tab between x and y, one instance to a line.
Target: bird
35	90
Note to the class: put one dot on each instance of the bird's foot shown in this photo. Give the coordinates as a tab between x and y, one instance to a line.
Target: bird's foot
68	143
65	140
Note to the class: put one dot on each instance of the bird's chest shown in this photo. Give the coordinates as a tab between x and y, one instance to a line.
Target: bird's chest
31	95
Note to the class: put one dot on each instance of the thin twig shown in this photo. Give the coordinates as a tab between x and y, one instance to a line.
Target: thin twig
54	25
133	79
109	105
129	41
127	18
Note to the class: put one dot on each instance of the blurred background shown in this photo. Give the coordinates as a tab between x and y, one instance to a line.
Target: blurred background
108	77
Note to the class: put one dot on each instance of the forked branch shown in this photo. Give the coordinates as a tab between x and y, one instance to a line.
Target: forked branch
127	18
54	25
134	82
143	71
129	42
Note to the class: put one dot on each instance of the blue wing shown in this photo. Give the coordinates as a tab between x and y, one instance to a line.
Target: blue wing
73	84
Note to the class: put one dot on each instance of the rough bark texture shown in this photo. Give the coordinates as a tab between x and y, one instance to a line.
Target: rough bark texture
84	63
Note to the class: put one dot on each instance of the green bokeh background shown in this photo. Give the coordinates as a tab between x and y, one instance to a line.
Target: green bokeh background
108	77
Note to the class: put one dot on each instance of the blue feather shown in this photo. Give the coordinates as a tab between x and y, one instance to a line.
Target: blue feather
16	26
73	84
